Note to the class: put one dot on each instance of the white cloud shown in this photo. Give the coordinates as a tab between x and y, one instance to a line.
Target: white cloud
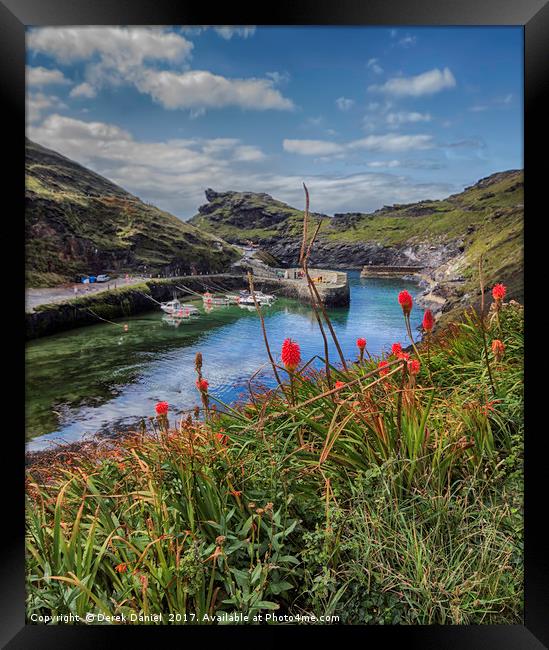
117	45
496	103
100	141
427	83
248	153
344	103
173	174
373	64
385	142
374	118
407	41
311	147
395	119
122	54
39	76
392	142
377	164
278	77
200	88
83	90
37	103
216	146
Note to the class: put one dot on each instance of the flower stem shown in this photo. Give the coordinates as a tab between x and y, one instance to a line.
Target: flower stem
409	330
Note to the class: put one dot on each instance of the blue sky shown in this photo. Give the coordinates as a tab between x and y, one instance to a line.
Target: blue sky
366	116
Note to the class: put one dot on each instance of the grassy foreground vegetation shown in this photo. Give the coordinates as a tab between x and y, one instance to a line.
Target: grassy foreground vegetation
389	497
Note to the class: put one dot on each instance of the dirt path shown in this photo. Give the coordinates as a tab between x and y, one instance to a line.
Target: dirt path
36	297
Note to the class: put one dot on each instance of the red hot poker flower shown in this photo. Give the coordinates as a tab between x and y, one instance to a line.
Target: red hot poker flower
361	343
396	349
405	301
499	291
223	438
339	384
498	348
162	408
428	320
385	370
121	568
202	385
403	355
291	354
413	366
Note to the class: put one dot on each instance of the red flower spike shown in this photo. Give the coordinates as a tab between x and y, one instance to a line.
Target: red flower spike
202	385
499	291
403	355
361	343
162	408
405	301
339	384
291	354
396	349
414	366
428	320
498	348
385	370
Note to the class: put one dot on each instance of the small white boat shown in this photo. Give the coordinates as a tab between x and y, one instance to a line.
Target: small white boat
170	306
265	298
178	309
261	298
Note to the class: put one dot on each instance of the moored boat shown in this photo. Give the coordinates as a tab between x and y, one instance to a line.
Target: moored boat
260	297
178	309
170	306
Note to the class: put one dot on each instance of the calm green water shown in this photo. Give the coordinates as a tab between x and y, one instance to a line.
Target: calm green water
98	379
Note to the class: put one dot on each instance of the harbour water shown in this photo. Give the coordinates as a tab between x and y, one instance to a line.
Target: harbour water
100	379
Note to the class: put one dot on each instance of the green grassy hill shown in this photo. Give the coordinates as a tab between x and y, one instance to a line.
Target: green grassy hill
76	221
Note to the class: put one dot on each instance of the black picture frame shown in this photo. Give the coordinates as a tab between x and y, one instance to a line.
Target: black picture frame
533	15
